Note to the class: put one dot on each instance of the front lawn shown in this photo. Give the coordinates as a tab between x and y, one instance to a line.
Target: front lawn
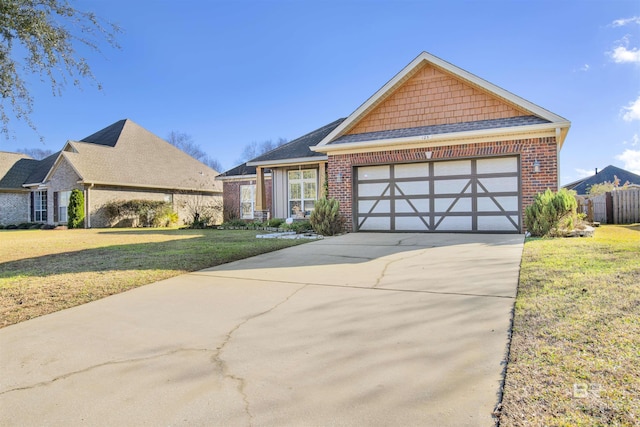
42	271
575	349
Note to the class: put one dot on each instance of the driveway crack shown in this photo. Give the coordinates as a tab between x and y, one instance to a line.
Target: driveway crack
101	365
224	367
383	273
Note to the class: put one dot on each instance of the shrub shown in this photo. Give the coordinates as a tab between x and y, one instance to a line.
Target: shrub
145	213
325	218
75	209
11	227
24	226
551	213
298	226
275	222
235	223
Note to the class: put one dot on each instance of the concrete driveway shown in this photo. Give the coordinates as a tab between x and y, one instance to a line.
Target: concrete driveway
361	329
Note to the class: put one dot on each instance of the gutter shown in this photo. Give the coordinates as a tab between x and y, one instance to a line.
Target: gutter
296	161
155	187
433	140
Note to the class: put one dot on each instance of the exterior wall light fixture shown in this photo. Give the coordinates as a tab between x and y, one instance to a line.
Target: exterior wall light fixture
536	166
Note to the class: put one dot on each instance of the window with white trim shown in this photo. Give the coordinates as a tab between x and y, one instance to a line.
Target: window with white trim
247	201
40	206
303	192
63	203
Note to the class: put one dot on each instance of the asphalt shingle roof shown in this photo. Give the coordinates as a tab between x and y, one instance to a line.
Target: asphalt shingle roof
441	129
299	148
607	174
124	153
240	170
40	171
15	168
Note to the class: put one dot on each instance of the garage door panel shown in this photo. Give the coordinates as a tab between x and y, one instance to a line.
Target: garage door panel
498	185
459	167
412	188
452	186
497	223
412	205
373	172
454	223
497	165
411	223
373	189
411	170
474	195
488	204
453	205
376	224
373	206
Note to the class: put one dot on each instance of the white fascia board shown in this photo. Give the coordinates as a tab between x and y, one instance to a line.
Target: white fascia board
241	177
501	134
459	72
284	162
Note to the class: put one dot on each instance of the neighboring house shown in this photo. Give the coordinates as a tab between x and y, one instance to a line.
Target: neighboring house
120	162
608	174
436	149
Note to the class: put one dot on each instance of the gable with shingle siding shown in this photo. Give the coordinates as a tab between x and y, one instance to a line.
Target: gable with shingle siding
432	97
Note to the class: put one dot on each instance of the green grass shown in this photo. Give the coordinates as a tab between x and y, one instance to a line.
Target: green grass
575	350
46	271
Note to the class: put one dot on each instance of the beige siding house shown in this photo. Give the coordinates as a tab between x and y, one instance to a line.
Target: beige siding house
120	162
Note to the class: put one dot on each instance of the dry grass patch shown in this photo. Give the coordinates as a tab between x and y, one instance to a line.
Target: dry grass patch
46	271
575	350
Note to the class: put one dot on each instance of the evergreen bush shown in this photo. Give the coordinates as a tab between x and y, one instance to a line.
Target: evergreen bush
75	210
325	218
551	213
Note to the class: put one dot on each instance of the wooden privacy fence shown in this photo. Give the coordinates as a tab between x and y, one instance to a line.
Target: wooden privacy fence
615	207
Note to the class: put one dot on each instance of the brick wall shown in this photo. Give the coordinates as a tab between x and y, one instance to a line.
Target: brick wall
431	97
14	208
340	167
63	178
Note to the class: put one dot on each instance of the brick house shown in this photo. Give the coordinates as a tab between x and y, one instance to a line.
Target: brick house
120	162
436	149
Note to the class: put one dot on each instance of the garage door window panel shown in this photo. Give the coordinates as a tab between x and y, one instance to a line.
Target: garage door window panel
373	172
412	206
411	170
490	204
413	187
452	186
497	165
462	167
499	223
499	185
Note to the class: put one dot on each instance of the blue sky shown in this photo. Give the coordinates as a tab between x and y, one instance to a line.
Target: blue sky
232	72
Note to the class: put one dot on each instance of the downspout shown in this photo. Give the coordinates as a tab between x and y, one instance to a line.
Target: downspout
558	144
87	206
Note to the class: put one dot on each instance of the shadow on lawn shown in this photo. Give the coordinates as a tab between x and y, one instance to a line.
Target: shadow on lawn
182	254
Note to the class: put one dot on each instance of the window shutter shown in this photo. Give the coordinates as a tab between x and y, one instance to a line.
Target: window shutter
56	195
33	209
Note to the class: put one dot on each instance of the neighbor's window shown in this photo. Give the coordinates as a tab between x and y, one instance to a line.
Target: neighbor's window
40	206
63	203
303	192
247	200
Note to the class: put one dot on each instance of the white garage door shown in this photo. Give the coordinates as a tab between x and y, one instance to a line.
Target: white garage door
473	195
